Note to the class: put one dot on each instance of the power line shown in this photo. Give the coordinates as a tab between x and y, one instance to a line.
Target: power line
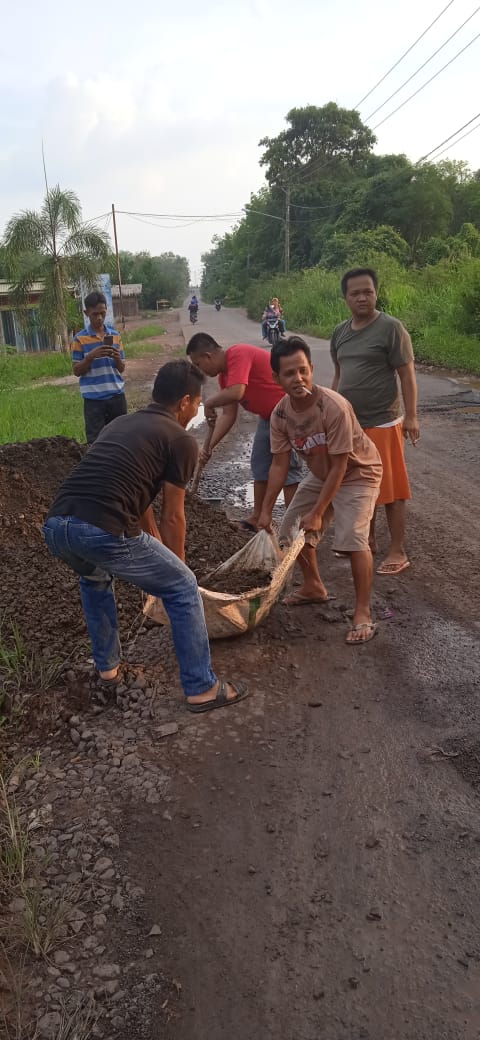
179	216
460	128
425	63
457	55
454	143
414	44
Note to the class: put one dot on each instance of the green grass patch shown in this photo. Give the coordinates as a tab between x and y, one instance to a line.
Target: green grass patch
47	411
25	369
144	332
138	350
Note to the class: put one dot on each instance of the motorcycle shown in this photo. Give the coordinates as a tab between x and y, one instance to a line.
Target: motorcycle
193	315
274	330
218	305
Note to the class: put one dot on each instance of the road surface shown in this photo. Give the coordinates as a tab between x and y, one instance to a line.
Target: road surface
317	876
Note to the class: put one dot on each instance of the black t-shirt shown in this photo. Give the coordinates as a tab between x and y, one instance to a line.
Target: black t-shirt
123	471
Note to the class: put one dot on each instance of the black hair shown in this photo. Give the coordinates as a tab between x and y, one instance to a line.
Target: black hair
286	347
358	272
93	299
201	343
175	380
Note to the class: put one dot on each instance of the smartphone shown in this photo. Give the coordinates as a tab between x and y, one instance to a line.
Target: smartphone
108	341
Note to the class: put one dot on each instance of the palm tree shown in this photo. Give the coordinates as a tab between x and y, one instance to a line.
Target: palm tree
56	248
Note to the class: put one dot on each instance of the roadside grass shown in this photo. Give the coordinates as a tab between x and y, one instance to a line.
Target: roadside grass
142	348
15	848
24	369
45	411
143	332
22	668
438	304
45	918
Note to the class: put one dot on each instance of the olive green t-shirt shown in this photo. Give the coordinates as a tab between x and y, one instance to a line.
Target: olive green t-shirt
368	359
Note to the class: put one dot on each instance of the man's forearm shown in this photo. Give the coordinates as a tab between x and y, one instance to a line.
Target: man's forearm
80	368
329	488
173	534
149	524
408	383
230	396
222	427
276	481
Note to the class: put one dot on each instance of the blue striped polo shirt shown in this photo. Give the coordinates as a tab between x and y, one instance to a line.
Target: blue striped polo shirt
102	379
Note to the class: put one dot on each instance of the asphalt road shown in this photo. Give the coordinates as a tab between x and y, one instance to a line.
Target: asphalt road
318	874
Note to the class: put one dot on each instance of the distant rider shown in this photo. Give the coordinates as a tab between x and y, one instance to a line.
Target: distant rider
193	305
269	312
273	310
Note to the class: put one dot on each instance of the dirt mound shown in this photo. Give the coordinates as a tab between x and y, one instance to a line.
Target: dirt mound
40	592
44	462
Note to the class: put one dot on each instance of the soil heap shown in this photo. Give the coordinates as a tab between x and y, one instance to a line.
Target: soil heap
39	592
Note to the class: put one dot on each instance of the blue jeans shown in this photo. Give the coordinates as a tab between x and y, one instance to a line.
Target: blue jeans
261	458
97	557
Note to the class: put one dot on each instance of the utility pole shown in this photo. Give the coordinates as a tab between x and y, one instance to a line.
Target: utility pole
287	229
119	273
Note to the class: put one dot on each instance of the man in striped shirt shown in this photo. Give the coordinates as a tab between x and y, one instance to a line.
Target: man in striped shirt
99	360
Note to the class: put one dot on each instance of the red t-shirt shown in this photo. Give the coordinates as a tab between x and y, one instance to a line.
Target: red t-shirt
251	366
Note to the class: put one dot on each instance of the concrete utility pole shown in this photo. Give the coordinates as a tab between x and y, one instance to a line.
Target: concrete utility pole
119	273
287	229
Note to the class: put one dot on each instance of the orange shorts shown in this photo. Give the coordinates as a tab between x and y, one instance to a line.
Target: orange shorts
390	445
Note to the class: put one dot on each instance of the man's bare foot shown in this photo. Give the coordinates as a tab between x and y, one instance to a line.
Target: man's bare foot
218	696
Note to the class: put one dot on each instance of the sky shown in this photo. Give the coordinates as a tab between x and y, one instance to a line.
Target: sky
159	107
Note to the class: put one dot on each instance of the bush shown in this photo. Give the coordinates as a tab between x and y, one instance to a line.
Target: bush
439	304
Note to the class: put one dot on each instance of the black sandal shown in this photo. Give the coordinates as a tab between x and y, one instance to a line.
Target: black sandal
221	700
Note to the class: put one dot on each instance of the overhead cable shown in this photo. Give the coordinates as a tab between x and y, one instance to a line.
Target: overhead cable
404	55
460	128
457	55
425	63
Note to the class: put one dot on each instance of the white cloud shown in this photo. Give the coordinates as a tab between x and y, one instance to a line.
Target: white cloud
161	110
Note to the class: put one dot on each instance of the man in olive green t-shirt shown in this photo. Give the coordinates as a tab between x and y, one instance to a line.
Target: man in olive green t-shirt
369	351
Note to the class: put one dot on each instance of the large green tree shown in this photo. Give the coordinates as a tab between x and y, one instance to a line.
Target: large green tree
329	135
56	248
162	277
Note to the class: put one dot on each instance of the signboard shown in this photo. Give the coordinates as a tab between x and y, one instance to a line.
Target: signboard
104	286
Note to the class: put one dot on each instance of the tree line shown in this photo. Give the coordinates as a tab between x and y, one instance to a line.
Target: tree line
347	204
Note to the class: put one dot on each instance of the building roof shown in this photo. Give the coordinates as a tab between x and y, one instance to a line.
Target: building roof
6	288
129	289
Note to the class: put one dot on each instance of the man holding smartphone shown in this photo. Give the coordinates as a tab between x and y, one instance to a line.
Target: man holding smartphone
99	360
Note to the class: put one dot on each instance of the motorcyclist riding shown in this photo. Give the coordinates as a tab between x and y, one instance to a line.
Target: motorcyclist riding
273	310
193	308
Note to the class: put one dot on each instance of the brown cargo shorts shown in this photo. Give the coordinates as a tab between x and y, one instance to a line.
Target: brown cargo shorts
353	508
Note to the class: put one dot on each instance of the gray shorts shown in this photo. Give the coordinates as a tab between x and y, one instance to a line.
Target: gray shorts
261	459
353	508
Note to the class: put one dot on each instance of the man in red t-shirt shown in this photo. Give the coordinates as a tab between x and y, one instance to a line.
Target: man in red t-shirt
245	378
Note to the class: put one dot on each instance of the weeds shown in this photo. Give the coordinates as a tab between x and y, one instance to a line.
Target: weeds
21	667
15	848
45	917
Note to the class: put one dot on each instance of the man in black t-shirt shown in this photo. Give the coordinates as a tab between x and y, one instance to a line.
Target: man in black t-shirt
102	525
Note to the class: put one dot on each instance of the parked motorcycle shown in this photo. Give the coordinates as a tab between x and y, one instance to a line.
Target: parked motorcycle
274	330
